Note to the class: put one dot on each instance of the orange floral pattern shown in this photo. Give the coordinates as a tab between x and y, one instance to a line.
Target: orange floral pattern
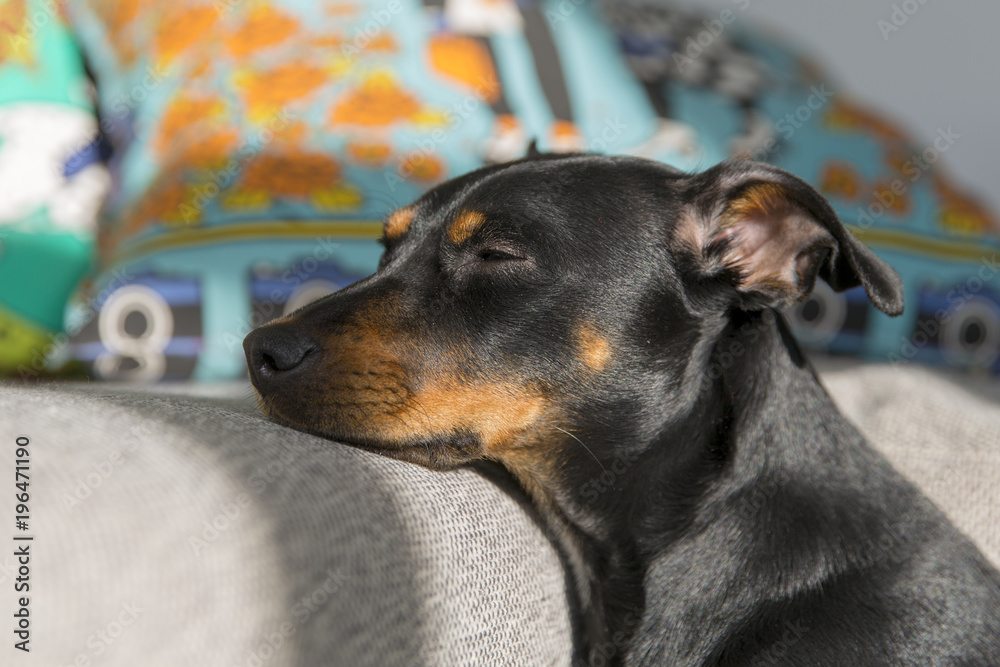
848	117
290	174
466	62
195	131
242	125
119	15
422	167
180	27
268	90
324	42
961	213
293	133
166	201
264	27
183	114
382	43
377	102
338	198
12	22
369	154
342	9
209	149
899	204
840	179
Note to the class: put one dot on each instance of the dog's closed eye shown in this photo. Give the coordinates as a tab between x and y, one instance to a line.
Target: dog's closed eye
494	254
494	259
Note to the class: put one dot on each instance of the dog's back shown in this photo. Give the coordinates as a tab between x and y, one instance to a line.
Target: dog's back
812	549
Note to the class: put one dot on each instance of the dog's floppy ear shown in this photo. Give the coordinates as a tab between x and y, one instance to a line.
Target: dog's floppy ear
770	234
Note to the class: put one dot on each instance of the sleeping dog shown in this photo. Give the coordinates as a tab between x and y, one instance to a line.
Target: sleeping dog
608	330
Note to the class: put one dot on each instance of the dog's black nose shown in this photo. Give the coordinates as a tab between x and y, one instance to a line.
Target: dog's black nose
274	353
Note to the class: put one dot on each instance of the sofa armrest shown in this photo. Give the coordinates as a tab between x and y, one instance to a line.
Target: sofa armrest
174	530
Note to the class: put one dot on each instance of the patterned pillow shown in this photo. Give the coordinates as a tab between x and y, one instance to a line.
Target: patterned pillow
258	145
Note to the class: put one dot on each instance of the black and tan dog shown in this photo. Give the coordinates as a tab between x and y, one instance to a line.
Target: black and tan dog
605	329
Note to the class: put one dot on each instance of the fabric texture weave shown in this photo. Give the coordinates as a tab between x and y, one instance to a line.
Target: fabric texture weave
182	528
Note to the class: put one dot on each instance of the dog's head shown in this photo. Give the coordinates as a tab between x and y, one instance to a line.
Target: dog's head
527	309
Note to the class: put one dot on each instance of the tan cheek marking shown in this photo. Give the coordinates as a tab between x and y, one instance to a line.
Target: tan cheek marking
513	422
398	223
594	350
464	226
497	413
513	425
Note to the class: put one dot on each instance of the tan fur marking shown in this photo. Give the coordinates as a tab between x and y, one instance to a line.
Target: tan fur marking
771	228
771	262
464	226
759	200
537	467
691	232
498	412
594	350
398	223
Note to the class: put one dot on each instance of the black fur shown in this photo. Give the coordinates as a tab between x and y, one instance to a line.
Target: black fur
716	508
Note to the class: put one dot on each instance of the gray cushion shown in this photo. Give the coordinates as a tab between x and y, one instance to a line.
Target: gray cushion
213	533
358	559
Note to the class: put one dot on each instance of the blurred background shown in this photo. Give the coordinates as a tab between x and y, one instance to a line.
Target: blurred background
939	68
174	175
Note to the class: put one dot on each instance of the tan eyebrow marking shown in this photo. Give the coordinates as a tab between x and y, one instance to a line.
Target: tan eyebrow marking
398	223
594	350
464	226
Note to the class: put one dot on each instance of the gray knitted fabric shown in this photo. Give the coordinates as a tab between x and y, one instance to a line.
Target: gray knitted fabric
193	532
941	429
324	555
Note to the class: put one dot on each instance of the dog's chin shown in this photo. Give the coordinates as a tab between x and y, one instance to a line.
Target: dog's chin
439	453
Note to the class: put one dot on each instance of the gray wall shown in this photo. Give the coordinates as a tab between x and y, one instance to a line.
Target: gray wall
941	68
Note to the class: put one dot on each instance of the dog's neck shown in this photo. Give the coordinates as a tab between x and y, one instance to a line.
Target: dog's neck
705	467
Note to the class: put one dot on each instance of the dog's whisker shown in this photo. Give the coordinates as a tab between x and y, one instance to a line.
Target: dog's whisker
577	439
414	402
395	416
